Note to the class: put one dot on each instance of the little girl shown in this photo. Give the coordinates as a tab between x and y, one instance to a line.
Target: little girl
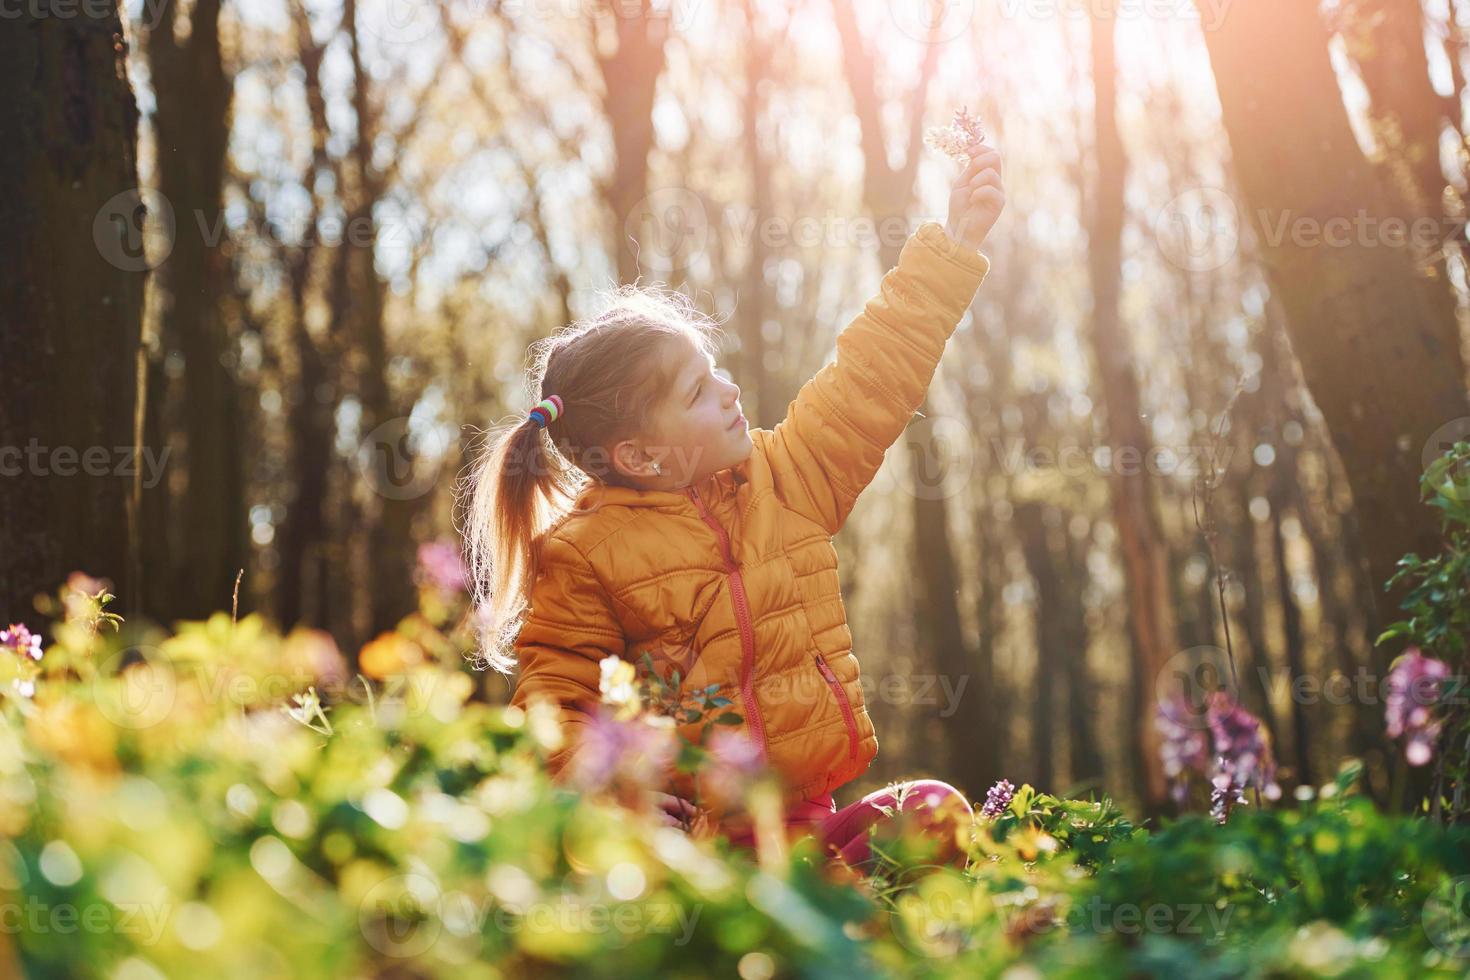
633	509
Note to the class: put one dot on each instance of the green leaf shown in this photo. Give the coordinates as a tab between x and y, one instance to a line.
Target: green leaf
1395	629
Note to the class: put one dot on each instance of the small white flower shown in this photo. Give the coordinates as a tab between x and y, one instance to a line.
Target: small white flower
618	684
308	712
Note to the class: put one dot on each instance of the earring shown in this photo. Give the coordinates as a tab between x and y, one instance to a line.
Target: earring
657	470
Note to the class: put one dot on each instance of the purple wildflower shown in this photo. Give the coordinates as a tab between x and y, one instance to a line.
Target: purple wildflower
27	646
1415	686
1233	754
734	762
611	752
440	565
21	640
1240	745
1186	747
959	139
998	799
736	751
1224	794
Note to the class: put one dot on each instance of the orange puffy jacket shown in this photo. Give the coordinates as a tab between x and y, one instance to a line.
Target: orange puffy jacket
734	579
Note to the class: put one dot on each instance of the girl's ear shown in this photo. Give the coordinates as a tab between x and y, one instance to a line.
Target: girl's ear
631	462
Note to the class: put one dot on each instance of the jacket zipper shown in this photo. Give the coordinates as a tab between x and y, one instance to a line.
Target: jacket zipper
847	715
742	617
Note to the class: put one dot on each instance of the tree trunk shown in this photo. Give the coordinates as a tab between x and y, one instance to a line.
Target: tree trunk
980	730
1291	618
1385	38
193	94
1259	669
1052	636
314	400
1085	761
71	297
752	306
1145	554
630	79
392	461
1382	362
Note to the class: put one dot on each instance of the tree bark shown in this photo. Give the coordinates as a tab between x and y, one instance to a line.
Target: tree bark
193	92
71	298
1385	38
1259	668
752	307
1291	616
1382	362
398	494
313	400
1144	551
1030	520
1061	637
630	79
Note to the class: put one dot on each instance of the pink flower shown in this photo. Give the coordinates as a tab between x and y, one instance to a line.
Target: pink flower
21	640
1415	687
27	646
1235	755
314	654
1186	746
1242	756
1240	744
735	761
613	753
957	140
736	751
441	566
998	800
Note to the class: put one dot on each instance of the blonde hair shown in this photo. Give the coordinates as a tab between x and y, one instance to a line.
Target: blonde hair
612	372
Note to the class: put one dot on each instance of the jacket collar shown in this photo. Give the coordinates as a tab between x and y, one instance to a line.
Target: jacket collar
717	486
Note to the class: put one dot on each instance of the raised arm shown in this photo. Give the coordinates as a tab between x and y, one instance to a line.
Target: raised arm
569	629
836	431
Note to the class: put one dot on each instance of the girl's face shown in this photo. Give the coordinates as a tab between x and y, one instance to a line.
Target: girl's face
699	428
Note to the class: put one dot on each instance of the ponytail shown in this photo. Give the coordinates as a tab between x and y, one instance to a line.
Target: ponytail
610	373
517	490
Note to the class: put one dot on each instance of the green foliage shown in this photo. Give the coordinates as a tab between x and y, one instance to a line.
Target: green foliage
1349	883
1438	598
1087	828
271	817
1437	604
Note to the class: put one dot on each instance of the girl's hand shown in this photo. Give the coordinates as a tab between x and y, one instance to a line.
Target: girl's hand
675	810
977	199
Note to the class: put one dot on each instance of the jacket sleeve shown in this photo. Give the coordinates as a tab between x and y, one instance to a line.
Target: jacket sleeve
842	421
570	627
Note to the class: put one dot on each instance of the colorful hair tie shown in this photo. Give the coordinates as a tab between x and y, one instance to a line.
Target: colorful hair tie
546	411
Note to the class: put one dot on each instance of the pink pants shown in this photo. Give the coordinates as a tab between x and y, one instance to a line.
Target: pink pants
845	831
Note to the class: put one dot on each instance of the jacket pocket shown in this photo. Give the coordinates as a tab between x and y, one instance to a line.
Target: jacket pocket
840	694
